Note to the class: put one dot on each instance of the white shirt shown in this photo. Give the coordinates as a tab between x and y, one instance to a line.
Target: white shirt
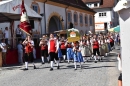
6	32
57	44
20	48
3	49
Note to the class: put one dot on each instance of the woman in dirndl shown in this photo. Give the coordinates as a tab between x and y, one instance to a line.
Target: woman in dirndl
106	47
69	52
77	55
102	47
83	47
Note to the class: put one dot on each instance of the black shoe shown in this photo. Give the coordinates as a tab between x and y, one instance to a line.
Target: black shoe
58	67
51	69
43	63
26	69
95	61
35	67
75	69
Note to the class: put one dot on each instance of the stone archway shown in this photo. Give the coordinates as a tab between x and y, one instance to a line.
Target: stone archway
54	23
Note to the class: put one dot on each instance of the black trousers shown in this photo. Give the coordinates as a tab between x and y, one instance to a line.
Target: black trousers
29	57
53	56
63	51
18	37
96	51
44	53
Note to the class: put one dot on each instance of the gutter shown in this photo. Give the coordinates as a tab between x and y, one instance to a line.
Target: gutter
45	15
66	16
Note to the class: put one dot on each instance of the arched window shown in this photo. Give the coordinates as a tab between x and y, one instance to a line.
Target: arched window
69	16
35	7
86	19
81	19
75	18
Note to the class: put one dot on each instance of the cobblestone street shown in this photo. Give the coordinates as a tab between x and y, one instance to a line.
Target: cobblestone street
93	74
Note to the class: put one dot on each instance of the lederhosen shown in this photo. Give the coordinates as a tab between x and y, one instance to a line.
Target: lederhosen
52	50
111	42
96	48
44	50
28	53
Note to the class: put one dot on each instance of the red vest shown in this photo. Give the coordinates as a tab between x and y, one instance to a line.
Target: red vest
95	45
111	40
62	46
44	47
52	46
28	48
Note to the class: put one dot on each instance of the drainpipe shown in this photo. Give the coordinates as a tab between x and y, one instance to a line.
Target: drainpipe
45	15
66	16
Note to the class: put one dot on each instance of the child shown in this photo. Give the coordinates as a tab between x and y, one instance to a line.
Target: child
77	55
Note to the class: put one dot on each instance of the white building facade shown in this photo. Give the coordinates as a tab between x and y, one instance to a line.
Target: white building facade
105	18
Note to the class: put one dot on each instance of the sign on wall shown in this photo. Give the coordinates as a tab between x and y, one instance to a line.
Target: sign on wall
99	26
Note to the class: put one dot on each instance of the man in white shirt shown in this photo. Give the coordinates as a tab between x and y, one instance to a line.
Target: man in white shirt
20	52
4	50
6	35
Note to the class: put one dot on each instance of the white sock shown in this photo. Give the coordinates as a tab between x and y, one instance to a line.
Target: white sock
75	65
51	64
68	61
57	62
64	57
80	65
42	59
84	59
95	58
106	54
26	64
33	64
48	58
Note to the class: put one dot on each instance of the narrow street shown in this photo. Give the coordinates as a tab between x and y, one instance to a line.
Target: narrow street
93	74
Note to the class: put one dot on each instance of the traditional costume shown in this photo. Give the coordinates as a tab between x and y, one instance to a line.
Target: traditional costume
63	48
44	50
53	46
95	49
77	55
29	53
69	52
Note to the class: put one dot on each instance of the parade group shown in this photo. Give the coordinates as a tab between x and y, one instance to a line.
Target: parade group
57	49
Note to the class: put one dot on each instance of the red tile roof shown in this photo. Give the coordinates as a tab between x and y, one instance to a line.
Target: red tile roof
75	3
89	1
106	3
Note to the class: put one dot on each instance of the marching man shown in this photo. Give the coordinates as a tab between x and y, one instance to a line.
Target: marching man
53	47
29	44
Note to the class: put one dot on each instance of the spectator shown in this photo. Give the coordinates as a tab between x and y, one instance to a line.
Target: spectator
6	35
18	33
120	69
20	52
4	50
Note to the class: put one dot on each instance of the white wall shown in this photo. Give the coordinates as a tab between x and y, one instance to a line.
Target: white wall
51	8
111	17
125	43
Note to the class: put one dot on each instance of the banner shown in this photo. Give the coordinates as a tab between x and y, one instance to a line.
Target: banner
73	35
24	22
